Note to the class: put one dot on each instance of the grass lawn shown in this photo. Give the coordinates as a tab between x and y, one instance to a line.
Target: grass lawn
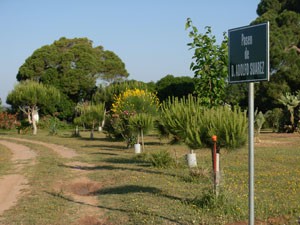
131	191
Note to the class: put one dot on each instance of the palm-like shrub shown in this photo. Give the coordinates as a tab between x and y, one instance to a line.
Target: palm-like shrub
141	123
291	102
90	115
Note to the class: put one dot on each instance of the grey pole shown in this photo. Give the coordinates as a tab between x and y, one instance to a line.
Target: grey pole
251	152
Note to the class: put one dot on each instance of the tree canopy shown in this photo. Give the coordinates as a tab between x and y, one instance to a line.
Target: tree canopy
284	18
72	66
34	94
107	93
31	96
174	86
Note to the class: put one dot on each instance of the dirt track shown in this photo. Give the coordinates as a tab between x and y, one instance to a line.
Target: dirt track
15	185
12	186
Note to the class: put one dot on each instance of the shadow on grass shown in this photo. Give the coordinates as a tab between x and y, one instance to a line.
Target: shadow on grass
126	189
106	147
103	153
127	161
153	143
109	167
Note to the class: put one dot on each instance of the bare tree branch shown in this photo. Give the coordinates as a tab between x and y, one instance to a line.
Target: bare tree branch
293	47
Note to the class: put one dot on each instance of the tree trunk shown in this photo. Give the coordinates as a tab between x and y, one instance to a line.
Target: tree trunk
142	136
34	119
103	121
34	127
77	131
92	132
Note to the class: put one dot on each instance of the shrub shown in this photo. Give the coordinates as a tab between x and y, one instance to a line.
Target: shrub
53	124
194	124
120	128
273	118
221	204
136	100
229	125
161	159
23	127
129	104
183	119
8	121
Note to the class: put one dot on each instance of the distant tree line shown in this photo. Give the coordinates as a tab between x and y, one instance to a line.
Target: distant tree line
74	67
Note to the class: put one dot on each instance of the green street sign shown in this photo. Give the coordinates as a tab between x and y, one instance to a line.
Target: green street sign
248	53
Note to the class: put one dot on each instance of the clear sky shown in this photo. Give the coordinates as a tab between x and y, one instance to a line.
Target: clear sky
148	35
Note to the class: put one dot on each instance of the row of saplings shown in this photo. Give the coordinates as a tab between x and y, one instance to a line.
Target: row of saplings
135	112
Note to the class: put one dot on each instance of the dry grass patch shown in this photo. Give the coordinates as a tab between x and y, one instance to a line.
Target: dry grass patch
92	220
84	188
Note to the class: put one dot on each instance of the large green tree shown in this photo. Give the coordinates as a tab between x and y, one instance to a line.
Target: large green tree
31	97
174	86
284	18
73	66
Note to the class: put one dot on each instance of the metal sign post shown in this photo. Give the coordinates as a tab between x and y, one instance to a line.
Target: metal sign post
251	152
248	63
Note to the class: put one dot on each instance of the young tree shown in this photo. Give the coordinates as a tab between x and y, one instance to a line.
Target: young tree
259	120
90	115
141	123
31	97
128	104
209	66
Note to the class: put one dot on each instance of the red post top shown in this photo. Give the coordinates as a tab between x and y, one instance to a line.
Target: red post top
214	138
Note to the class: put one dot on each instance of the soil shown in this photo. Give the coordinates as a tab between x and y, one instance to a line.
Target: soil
12	186
15	185
59	149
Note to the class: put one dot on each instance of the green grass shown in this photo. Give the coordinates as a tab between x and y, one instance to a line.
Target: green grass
5	163
134	192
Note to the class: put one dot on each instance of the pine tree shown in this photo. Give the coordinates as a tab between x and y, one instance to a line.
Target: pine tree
284	18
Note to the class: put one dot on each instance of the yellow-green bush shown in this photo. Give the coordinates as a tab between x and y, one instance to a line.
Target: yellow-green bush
132	111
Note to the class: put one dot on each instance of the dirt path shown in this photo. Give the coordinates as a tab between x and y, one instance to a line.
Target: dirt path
59	149
14	185
11	186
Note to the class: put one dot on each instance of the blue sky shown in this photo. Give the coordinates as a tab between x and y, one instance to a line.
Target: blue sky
148	35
